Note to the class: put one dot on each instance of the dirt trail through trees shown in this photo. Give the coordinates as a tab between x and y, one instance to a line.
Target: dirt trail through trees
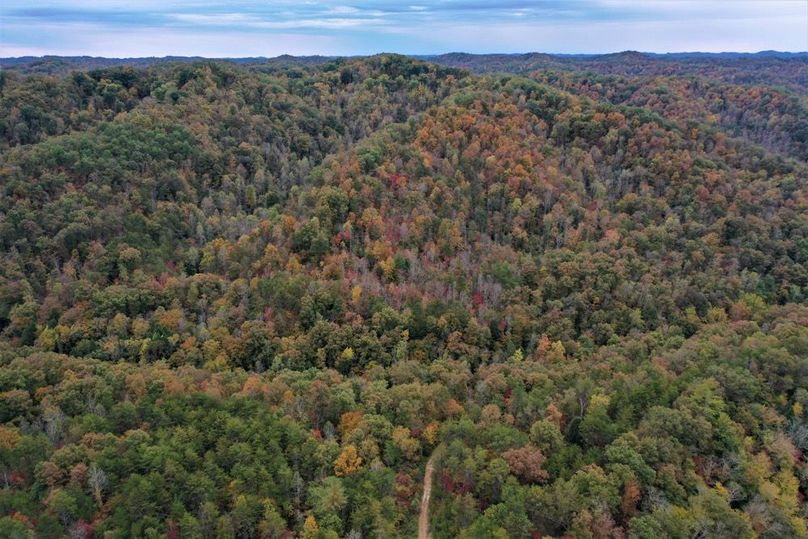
423	520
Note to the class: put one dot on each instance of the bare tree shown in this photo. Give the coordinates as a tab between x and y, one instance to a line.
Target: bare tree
97	480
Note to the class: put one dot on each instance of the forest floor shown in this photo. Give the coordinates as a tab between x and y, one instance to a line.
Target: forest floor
423	520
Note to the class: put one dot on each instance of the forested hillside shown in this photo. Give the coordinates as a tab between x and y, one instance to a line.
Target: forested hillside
767	68
252	300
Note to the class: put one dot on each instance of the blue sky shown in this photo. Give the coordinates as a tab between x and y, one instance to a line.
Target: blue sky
344	27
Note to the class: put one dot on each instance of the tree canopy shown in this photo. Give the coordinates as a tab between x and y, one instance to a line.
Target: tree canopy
252	300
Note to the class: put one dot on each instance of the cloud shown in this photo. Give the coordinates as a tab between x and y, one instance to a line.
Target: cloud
253	22
205	27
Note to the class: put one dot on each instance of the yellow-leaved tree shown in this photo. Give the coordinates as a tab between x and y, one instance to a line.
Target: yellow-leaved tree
310	528
348	462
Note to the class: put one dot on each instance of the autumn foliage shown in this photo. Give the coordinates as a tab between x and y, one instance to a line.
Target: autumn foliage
252	300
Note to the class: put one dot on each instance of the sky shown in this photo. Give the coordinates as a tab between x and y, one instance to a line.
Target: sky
241	28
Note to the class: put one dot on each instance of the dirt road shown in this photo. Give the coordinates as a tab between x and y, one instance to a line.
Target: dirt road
423	520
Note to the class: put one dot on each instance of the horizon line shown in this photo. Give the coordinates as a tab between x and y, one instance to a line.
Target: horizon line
381	53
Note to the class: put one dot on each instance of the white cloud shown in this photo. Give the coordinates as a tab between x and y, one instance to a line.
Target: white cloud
741	35
345	10
235	20
76	40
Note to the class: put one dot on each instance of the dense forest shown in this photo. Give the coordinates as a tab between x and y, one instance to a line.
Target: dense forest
252	299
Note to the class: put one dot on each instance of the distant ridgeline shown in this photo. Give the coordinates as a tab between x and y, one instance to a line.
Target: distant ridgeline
252	297
788	69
